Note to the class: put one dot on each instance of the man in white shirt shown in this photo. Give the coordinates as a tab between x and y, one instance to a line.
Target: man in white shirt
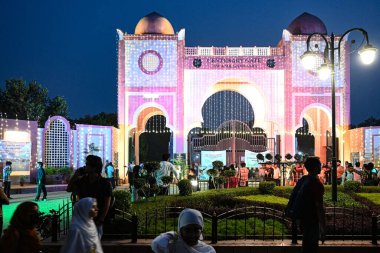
166	168
277	175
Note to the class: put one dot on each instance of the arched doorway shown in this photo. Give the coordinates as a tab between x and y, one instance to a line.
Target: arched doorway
228	125
155	140
151	137
305	142
315	121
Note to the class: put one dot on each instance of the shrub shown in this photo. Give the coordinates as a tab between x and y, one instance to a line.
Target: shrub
352	186
229	173
167	180
212	172
151	166
147	191
217	164
56	171
370	189
220	180
267	187
139	182
185	188
123	200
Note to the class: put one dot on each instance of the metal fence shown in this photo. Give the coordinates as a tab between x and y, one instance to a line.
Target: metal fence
246	223
57	223
253	223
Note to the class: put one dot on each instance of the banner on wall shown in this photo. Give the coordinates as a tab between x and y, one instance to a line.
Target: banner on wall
19	153
207	157
251	160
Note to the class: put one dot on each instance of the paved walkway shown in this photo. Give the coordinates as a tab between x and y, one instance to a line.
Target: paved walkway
241	246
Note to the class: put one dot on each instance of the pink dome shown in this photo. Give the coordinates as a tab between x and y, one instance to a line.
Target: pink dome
154	23
306	24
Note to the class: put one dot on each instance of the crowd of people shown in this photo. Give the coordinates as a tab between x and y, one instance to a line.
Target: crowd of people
153	178
290	173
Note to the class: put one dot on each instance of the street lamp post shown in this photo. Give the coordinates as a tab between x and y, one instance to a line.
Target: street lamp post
367	55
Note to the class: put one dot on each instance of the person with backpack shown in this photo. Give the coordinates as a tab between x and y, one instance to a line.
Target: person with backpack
306	205
348	175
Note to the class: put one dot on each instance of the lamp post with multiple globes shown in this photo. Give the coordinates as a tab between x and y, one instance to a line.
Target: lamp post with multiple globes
326	70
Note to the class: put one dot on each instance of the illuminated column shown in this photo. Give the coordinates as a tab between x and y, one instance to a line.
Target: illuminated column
122	104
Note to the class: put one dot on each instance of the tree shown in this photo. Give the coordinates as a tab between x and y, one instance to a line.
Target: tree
22	101
103	119
57	106
371	121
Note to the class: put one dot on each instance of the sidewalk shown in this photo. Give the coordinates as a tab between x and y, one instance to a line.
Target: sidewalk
240	246
28	191
17	190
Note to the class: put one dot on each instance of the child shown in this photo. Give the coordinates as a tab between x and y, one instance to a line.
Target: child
83	235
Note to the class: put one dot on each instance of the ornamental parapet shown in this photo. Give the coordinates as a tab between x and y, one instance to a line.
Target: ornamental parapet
234	51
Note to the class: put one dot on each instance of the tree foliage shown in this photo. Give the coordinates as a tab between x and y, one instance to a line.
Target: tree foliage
371	121
103	119
22	101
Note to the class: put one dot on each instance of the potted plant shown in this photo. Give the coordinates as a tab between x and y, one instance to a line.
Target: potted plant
22	181
220	181
229	174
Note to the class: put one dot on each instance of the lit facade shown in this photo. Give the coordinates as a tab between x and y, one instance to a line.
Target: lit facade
59	144
159	75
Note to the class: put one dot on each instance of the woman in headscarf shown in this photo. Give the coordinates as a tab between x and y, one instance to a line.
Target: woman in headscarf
21	235
83	235
190	226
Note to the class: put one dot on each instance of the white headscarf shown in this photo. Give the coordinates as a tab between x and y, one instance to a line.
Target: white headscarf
189	216
161	244
83	235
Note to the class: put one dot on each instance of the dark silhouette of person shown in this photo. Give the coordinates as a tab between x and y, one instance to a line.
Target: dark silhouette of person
7	178
21	236
308	199
93	185
41	181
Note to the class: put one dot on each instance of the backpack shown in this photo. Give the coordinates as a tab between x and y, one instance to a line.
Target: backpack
298	199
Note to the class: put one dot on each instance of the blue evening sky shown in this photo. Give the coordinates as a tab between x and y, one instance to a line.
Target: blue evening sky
69	46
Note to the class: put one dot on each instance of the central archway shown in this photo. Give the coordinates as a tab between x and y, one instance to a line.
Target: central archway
228	125
248	90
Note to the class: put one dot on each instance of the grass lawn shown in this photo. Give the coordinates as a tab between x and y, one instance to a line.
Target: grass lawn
44	206
266	199
374	197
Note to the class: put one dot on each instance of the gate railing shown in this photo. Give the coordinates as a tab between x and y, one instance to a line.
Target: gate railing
252	222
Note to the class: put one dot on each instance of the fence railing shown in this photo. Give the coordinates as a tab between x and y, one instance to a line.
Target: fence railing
57	223
253	222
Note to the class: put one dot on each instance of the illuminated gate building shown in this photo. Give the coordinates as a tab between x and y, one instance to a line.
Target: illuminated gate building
227	98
